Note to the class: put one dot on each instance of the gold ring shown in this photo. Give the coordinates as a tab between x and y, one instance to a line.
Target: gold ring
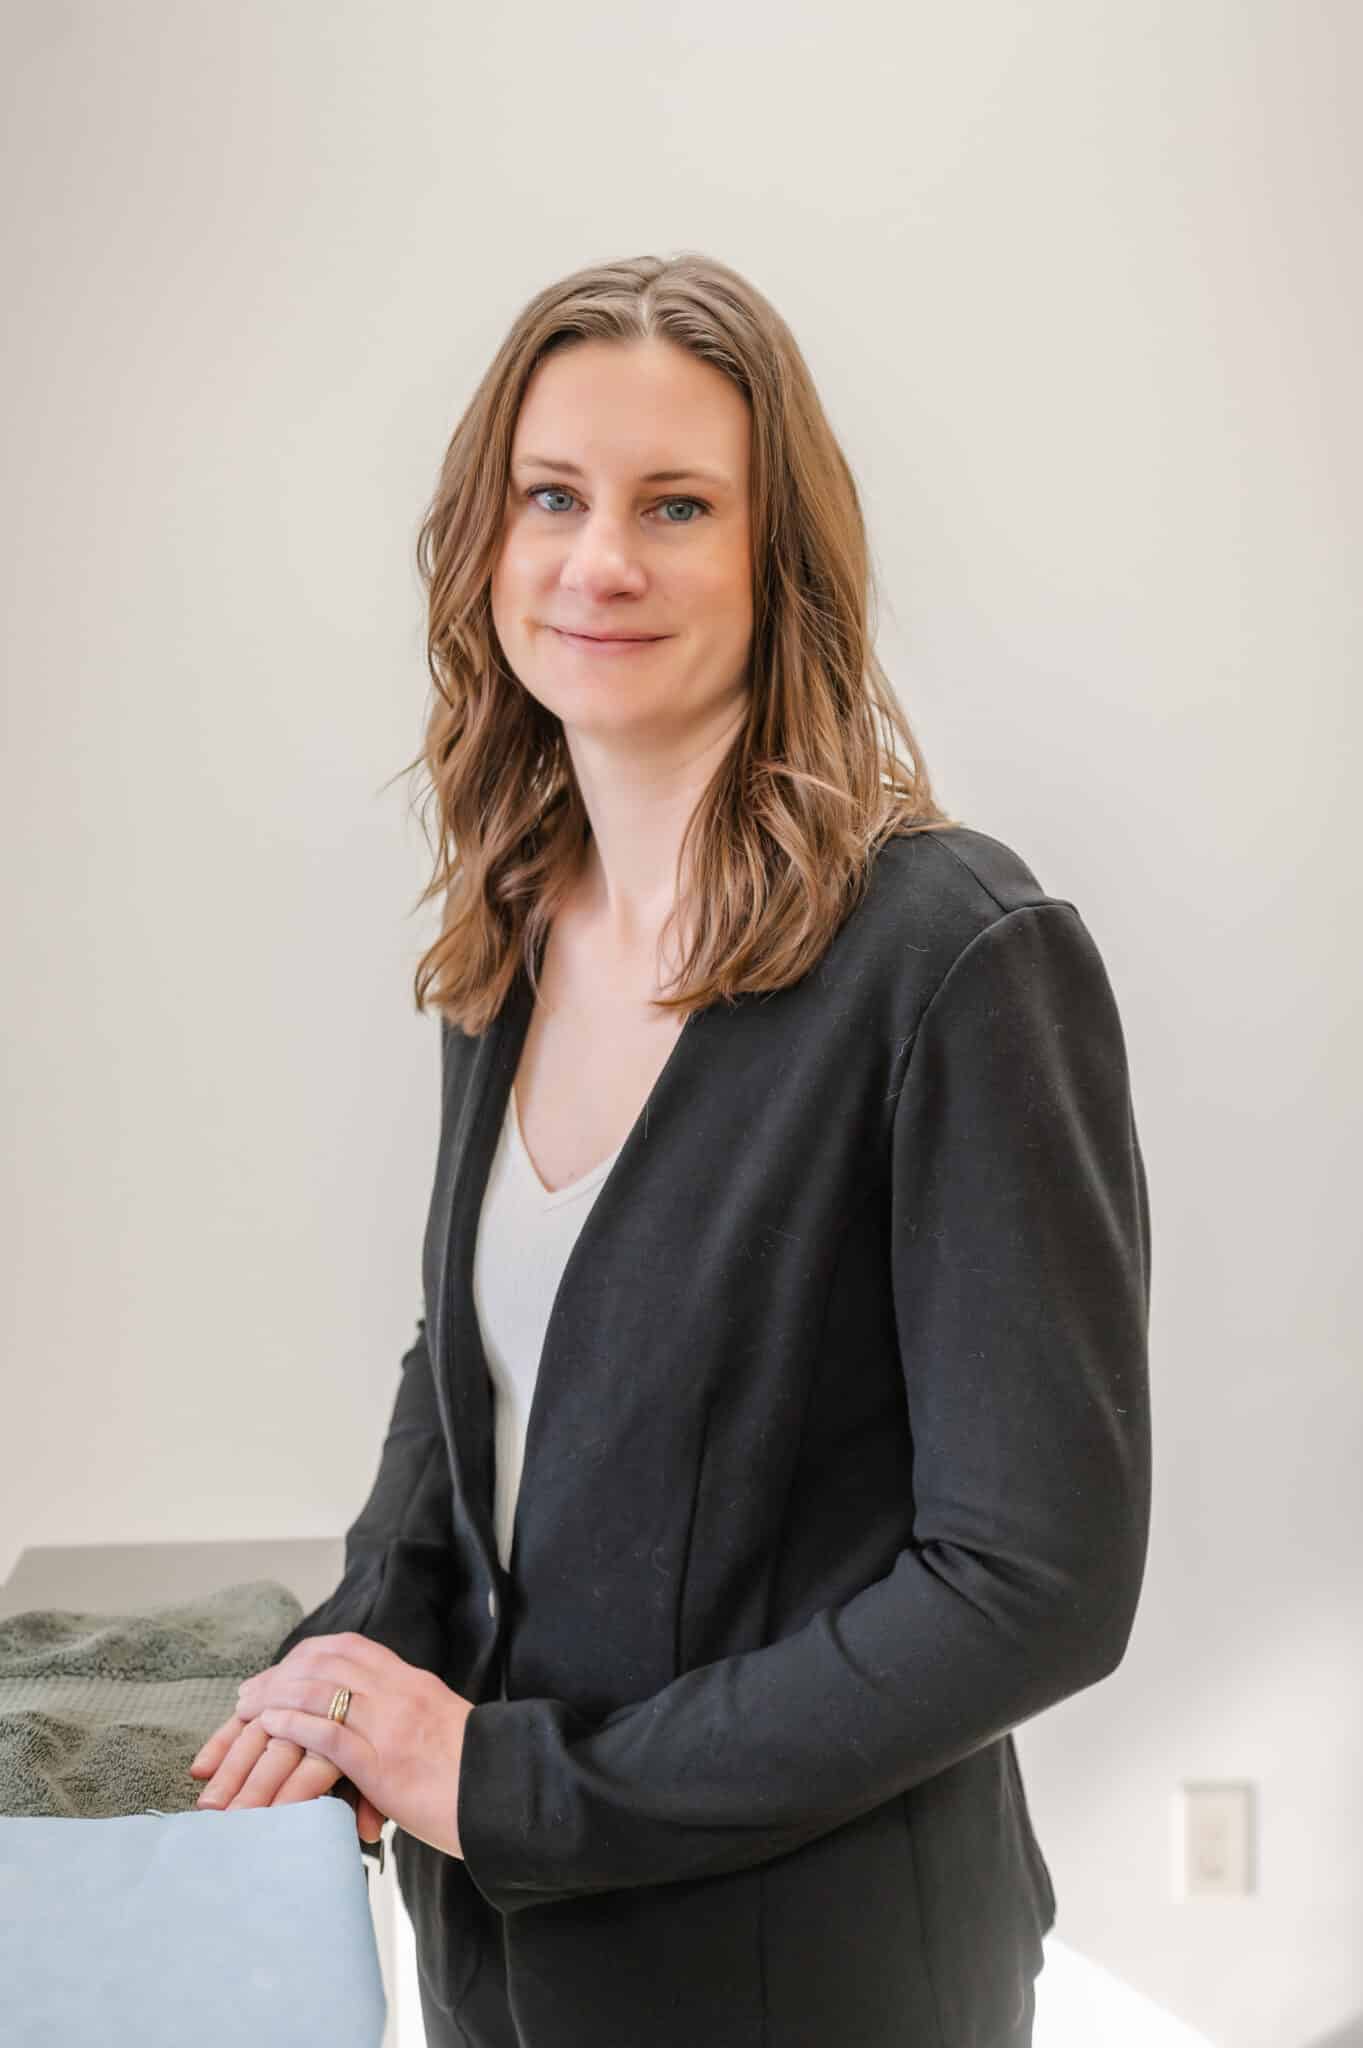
340	1704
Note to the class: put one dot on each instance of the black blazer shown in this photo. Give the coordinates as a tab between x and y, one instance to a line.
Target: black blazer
837	1469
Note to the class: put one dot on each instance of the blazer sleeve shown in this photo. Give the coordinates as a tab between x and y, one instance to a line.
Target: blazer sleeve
1019	1242
401	1568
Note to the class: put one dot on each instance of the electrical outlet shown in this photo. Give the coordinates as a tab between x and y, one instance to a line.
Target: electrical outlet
1213	1839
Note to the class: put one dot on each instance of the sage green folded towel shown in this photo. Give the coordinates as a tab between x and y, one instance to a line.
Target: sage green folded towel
103	1714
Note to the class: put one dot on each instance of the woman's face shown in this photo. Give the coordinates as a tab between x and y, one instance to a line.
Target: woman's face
603	547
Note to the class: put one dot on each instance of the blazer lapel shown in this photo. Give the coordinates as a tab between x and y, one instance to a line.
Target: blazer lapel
462	1382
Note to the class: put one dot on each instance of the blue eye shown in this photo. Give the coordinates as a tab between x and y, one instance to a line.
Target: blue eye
560	490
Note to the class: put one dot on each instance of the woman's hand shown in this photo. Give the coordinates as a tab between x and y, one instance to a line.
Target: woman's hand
247	1766
401	1744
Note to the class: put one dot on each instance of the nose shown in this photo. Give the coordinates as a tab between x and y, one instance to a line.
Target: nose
602	557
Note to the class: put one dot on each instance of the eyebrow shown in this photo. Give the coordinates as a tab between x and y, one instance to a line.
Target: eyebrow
655	476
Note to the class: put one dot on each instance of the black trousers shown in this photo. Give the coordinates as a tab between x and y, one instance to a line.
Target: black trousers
485	2017
484	2013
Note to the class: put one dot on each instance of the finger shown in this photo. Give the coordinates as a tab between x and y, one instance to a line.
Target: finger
284	1689
276	1765
216	1748
347	1659
312	1691
352	1648
337	1740
369	1822
313	1697
311	1776
217	1745
350	1793
237	1766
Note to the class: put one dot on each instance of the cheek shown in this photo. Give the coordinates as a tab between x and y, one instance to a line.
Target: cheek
521	576
730	605
507	590
727	576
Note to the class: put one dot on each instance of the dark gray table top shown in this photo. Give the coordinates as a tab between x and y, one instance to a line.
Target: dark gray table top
109	1578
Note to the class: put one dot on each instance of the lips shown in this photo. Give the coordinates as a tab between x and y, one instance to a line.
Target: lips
610	639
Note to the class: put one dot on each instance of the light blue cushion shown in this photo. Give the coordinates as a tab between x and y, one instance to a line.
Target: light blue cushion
229	1930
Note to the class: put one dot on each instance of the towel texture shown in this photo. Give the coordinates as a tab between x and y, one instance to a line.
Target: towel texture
102	1714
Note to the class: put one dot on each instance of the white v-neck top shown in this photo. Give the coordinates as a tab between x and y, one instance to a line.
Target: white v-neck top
525	1233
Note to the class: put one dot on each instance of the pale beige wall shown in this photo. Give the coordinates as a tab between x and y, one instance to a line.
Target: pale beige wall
1080	286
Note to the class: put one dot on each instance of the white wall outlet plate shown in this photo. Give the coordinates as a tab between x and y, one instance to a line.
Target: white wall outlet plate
1213	1839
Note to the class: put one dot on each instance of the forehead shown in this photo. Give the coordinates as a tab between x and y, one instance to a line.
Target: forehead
641	412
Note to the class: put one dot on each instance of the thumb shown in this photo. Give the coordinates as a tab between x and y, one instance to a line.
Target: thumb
369	1822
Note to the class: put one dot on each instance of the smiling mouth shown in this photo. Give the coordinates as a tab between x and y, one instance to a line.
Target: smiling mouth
610	640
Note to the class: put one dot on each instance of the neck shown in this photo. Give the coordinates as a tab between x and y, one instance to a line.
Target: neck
639	811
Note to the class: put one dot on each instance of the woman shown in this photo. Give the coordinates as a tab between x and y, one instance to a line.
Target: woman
776	1435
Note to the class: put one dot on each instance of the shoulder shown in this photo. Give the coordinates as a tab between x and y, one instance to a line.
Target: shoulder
961	915
955	872
929	895
963	929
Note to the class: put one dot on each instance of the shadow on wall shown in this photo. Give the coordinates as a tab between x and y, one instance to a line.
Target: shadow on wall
1348	2035
1080	2005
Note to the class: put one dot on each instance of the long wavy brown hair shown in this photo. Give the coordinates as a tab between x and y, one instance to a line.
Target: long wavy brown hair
781	842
